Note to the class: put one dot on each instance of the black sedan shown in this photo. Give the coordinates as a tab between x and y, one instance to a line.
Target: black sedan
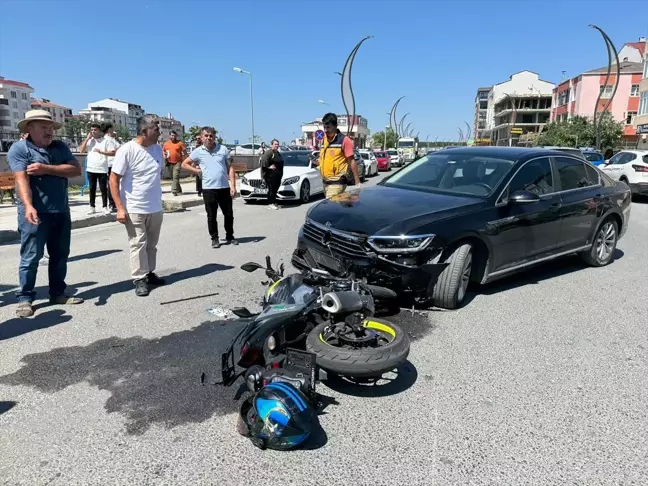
467	215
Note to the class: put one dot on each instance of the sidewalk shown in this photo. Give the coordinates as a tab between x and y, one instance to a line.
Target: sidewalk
79	207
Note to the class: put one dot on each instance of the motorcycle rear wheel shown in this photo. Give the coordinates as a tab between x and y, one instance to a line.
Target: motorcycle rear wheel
363	362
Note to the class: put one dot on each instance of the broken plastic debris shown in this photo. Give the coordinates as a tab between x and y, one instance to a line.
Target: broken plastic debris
220	312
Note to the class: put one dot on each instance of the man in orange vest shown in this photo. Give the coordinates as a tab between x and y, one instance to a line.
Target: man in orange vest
336	158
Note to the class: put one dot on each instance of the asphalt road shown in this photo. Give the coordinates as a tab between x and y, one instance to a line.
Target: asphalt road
540	379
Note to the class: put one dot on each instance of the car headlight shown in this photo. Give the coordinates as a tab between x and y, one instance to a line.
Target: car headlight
290	181
245	181
400	244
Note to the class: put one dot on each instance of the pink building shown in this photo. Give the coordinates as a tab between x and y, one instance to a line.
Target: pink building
577	96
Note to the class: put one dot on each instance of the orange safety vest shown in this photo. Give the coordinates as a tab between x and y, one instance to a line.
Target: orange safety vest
333	163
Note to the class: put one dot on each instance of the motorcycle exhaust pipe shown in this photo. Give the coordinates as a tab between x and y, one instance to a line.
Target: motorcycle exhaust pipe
342	302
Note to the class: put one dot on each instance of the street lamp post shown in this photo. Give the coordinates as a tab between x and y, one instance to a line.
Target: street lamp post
242	71
385	145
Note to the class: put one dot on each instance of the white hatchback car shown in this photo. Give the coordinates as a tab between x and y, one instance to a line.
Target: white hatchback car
370	162
631	167
300	180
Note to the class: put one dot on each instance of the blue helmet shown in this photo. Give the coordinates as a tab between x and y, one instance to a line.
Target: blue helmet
278	417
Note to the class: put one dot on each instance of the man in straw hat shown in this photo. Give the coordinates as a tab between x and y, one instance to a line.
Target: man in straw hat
42	167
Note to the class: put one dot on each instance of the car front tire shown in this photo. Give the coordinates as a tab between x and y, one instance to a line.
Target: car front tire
304	192
452	285
604	245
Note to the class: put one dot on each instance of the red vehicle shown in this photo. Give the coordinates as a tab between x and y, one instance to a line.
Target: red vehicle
383	159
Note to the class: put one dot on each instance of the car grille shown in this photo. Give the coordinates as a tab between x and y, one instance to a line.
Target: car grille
255	182
340	242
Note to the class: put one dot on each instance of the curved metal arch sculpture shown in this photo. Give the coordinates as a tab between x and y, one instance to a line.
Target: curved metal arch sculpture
610	50
348	99
392	116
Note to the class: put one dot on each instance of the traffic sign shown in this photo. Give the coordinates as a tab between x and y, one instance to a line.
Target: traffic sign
235	142
319	134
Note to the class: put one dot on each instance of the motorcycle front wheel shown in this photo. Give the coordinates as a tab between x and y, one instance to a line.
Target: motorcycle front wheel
390	350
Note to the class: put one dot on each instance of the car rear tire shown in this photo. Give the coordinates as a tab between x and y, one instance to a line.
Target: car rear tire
604	245
452	285
304	192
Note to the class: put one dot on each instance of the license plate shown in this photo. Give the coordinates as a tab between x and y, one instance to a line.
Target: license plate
259	190
326	261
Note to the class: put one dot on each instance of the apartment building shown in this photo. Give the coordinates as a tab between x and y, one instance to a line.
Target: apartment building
578	95
15	100
481	109
517	108
103	114
132	111
641	120
59	113
167	124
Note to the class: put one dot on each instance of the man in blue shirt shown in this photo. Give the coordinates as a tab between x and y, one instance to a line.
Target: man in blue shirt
212	162
42	167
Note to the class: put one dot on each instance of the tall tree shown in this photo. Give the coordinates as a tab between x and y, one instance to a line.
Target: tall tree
378	138
579	131
123	133
76	128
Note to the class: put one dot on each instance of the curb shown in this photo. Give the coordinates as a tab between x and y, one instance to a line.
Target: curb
12	236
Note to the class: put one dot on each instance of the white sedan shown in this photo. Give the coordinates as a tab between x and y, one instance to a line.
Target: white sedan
371	164
300	180
631	167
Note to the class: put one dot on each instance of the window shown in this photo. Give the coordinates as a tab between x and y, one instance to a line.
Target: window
645	71
606	91
630	118
593	175
634	90
4	101
14	104
24	96
13	94
16	115
643	104
572	174
535	177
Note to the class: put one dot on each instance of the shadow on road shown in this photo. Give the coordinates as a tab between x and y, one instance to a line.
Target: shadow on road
151	381
250	239
91	255
18	326
102	294
6	406
391	383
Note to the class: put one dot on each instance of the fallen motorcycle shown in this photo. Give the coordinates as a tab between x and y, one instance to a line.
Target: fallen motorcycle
318	321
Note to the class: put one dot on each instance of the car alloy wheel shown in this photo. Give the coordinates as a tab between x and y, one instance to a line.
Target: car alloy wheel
606	242
304	192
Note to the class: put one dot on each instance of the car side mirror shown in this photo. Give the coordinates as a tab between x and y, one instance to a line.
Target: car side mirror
250	267
523	197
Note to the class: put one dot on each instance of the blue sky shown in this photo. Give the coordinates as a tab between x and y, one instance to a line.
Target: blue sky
177	56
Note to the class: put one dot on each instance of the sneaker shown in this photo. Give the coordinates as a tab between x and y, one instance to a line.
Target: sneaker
153	279
273	206
174	193
113	209
91	211
232	241
25	309
44	261
141	288
106	211
66	300
215	243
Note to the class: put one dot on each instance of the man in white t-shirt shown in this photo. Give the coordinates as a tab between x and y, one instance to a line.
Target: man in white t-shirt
110	147
135	182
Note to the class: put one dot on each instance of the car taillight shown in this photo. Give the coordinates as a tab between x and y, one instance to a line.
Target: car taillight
640	168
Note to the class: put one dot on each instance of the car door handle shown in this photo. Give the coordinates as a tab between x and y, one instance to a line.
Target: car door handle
556	206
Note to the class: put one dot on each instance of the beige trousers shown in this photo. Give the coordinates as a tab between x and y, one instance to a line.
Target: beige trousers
333	190
143	234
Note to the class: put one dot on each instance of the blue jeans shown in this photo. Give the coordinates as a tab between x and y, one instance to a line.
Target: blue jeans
54	231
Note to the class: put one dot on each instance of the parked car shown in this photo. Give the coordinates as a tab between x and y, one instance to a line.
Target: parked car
486	212
370	163
383	160
594	157
395	158
246	149
301	180
630	167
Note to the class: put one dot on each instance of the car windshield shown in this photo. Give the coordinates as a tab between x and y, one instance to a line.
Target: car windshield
470	174
405	144
593	156
295	159
392	152
364	155
380	154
